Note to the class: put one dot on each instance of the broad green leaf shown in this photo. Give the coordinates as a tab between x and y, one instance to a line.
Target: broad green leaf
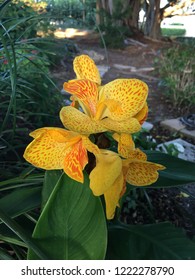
50	180
21	201
177	172
72	225
161	241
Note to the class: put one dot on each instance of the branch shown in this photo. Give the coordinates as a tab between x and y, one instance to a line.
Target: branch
181	15
169	4
168	12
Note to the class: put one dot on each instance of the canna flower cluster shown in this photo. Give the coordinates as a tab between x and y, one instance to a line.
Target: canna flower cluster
118	107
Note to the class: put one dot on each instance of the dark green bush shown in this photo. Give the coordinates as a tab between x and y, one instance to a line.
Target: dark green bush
112	28
114	36
28	96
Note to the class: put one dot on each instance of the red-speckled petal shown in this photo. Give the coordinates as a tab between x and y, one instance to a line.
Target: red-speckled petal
125	144
86	93
48	149
143	173
77	121
61	132
85	68
137	154
75	160
130	94
130	125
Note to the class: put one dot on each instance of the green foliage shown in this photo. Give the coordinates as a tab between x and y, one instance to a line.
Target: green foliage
160	241
65	225
177	172
20	198
29	98
144	140
189	41
114	33
173	31
22	21
177	24
114	36
171	149
72	13
177	70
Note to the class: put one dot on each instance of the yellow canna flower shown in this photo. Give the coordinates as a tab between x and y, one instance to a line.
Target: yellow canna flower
111	173
57	148
119	106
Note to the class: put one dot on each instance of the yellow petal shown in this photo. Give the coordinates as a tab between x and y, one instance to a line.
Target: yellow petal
61	133
108	168
130	93
75	160
125	144
143	173
137	154
112	196
92	148
142	115
113	108
48	149
86	92
85	68
77	121
130	125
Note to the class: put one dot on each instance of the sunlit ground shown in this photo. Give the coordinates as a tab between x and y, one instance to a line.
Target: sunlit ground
69	33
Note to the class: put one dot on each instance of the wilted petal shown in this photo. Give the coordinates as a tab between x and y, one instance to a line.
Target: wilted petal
85	68
77	121
86	93
130	125
108	168
48	149
112	196
143	173
130	93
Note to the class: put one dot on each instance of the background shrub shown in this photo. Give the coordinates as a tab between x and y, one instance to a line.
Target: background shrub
177	70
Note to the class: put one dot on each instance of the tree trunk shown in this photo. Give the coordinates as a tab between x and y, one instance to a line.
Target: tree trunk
99	18
153	19
84	11
106	5
132	19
